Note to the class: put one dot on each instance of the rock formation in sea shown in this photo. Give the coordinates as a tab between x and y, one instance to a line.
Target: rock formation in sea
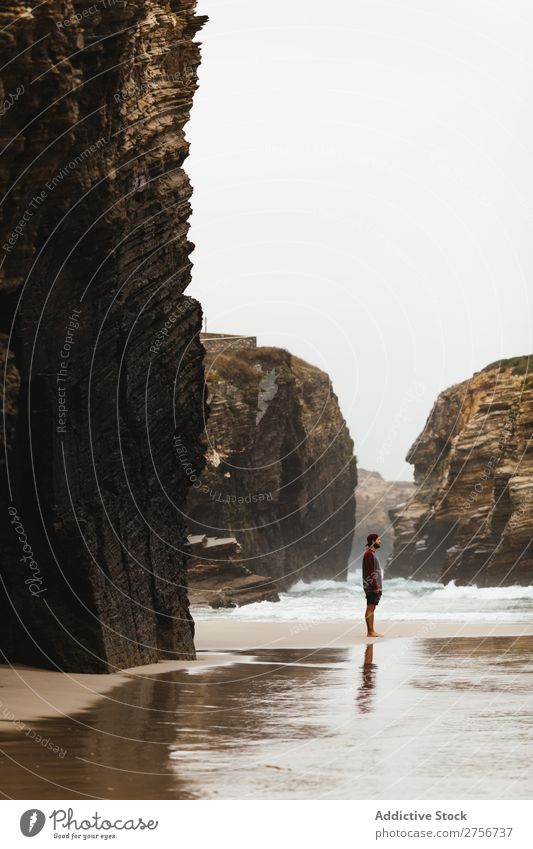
104	362
375	497
470	518
280	471
217	578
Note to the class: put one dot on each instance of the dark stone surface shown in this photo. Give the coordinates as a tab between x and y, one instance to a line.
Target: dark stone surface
95	254
280	471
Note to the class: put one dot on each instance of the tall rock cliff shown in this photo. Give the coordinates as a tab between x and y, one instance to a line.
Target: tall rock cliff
471	516
100	343
280	468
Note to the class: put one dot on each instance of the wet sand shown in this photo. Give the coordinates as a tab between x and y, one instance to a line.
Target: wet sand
224	634
274	721
293	723
28	694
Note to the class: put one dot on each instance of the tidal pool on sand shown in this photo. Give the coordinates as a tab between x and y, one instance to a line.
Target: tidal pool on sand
407	718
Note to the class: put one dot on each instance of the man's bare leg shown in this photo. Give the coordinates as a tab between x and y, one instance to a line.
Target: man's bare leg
369	617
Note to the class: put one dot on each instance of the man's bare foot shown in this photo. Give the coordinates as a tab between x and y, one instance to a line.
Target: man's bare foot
375	634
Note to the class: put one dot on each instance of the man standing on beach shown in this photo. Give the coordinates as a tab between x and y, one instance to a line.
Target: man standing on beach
372	582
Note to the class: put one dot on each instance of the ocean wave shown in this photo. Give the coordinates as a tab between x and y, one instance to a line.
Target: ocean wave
450	590
317	586
403	599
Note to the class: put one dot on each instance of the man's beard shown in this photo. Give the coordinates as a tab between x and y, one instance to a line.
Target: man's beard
377	545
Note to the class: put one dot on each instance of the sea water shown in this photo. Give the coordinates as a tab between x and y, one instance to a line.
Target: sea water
407	600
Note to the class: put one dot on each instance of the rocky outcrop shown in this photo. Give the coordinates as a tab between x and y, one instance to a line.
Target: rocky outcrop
375	498
217	578
471	516
101	343
280	468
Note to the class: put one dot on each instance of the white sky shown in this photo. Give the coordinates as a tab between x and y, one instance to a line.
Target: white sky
363	194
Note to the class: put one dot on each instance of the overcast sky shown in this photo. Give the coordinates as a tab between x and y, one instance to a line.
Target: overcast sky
363	194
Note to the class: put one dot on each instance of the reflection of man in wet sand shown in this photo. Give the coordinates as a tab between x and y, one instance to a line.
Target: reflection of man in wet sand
366	690
372	582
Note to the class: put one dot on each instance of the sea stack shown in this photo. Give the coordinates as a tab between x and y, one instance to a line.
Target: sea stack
281	470
470	518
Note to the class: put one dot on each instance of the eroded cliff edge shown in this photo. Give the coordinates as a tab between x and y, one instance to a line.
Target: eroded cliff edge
94	266
281	470
471	516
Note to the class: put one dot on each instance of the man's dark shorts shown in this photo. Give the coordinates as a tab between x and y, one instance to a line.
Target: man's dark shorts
373	598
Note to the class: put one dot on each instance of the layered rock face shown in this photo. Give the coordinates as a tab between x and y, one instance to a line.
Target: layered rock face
375	498
471	516
280	468
217	578
104	363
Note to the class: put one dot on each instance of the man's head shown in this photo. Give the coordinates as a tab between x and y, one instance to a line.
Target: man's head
373	541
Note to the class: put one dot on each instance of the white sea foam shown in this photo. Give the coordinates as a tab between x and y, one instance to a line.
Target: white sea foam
322	601
485	593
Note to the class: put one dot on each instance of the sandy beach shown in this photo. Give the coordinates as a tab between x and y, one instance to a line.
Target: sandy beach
283	711
28	694
213	635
